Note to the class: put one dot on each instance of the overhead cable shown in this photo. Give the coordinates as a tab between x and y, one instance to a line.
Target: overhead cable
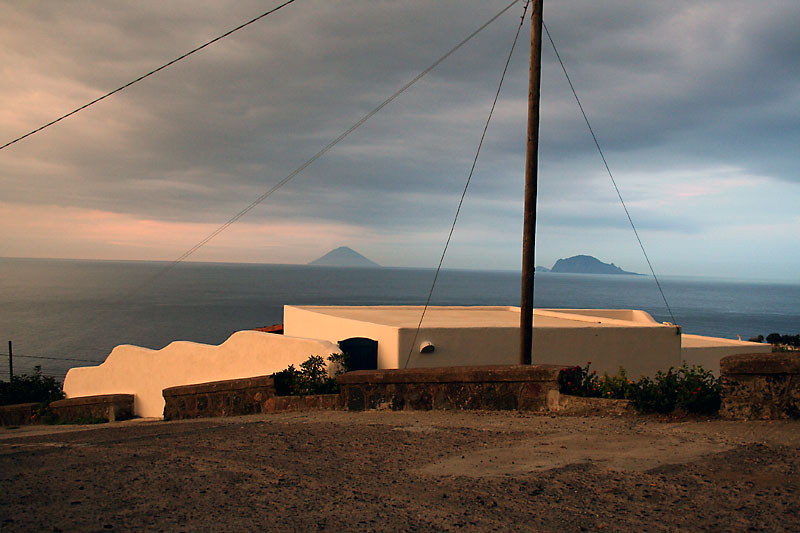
324	150
610	175
51	358
140	78
466	185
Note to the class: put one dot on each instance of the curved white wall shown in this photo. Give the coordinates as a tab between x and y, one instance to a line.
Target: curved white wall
145	373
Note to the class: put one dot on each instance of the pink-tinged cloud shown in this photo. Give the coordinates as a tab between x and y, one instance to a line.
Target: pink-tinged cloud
67	232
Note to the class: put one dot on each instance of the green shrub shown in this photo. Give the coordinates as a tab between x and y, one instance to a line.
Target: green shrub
691	389
311	378
617	386
314	379
30	388
285	381
655	396
699	390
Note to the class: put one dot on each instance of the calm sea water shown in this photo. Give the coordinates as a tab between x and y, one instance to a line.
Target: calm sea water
57	311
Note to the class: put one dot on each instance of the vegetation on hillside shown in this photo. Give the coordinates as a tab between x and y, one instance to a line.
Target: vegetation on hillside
780	343
30	388
783	342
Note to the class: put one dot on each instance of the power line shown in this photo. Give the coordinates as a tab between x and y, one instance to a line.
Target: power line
466	185
45	374
52	358
610	175
140	78
302	167
322	152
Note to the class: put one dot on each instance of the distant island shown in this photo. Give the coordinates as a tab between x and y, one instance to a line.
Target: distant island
344	257
585	264
578	264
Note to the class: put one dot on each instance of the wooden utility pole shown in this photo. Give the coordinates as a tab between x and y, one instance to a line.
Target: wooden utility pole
10	362
531	178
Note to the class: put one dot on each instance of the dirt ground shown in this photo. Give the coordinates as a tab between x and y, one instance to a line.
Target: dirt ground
407	471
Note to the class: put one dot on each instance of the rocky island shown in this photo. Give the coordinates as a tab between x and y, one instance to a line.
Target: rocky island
585	264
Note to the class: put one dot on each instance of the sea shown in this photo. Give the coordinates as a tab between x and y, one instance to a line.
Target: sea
65	313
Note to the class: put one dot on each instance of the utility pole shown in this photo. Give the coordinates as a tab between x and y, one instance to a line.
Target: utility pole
10	362
531	178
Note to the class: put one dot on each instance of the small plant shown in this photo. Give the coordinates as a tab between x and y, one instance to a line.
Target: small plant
699	391
314	379
311	378
44	415
578	381
617	386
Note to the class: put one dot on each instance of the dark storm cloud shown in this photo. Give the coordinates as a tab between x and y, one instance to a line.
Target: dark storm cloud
247	111
709	73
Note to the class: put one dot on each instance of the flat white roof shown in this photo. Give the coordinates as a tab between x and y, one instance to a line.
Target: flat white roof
700	341
474	317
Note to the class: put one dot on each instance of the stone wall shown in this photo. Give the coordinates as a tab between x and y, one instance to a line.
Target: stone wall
527	388
110	407
314	402
18	414
760	386
583	406
230	397
236	397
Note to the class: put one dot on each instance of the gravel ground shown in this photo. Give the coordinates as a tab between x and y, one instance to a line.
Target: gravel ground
390	471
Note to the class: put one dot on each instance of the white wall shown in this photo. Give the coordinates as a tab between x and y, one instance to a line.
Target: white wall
145	373
641	351
463	346
707	351
566	337
607	338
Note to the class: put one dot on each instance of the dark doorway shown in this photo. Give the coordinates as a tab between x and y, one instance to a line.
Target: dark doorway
362	353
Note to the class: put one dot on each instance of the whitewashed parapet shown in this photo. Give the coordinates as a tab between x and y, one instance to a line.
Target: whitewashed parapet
146	373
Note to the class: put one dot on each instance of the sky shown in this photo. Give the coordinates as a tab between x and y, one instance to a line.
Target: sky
696	106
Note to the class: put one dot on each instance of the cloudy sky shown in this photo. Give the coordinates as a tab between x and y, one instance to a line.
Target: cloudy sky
697	106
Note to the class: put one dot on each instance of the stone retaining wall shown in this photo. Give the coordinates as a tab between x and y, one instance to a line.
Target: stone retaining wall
230	397
527	388
316	402
17	414
582	406
111	407
760	386
236	397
